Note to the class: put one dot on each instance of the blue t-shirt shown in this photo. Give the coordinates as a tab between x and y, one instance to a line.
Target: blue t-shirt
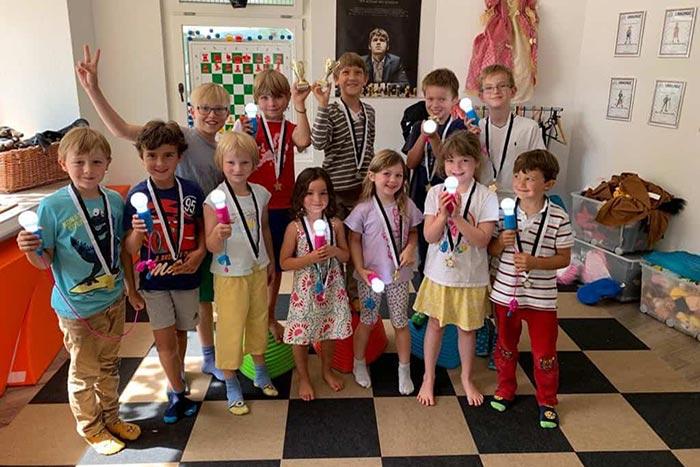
419	178
162	277
77	271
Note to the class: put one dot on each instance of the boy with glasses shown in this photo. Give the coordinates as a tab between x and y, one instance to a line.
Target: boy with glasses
503	134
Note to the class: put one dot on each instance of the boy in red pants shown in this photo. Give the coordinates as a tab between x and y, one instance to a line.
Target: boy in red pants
525	288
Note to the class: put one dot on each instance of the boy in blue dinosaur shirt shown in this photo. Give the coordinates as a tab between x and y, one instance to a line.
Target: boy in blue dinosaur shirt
81	232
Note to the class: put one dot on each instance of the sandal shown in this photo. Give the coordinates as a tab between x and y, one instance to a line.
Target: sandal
500	404
548	417
269	390
238	408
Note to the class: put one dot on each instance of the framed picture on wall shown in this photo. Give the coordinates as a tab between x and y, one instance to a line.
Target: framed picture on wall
630	29
385	33
666	104
677	33
621	98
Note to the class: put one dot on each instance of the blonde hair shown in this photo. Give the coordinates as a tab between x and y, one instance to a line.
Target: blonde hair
271	82
495	69
349	59
382	160
239	143
461	143
210	93
83	140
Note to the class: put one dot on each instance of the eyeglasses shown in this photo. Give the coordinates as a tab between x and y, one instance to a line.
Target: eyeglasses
490	89
218	111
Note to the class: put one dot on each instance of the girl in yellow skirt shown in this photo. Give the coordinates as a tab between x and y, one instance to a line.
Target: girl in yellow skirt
458	228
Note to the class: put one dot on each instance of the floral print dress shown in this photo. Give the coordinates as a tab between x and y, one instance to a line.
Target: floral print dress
315	316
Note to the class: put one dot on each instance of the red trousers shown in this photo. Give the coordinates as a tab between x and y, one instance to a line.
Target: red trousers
543	328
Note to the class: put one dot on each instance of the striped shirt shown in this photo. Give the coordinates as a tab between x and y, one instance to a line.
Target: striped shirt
331	135
542	293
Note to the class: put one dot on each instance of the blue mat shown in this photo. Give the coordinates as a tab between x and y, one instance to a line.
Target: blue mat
681	262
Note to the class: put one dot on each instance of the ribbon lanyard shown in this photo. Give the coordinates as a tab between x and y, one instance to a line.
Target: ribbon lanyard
537	245
329	228
92	232
505	146
428	153
278	153
396	246
254	244
465	214
169	237
360	148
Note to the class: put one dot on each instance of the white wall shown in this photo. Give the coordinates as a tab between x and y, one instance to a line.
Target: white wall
36	83
131	70
603	147
448	28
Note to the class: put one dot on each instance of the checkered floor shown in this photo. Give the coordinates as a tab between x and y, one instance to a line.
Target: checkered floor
620	405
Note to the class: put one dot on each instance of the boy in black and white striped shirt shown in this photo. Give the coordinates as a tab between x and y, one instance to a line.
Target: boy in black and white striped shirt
525	287
344	131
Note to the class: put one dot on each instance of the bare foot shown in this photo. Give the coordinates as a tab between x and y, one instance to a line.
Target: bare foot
277	331
306	390
425	395
332	380
474	397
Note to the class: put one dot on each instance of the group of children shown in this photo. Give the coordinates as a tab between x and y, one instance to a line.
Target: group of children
229	216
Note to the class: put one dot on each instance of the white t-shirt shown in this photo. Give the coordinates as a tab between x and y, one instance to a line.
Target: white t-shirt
367	220
526	135
471	267
238	248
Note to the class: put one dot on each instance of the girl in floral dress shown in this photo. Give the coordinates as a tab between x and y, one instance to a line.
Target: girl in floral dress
319	308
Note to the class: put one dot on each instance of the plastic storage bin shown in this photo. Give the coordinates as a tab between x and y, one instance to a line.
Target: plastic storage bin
603	263
620	240
671	299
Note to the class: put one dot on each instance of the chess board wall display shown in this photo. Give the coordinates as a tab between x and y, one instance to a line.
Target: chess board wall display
232	59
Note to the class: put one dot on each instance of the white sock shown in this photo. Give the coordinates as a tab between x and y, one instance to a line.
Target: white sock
405	382
359	370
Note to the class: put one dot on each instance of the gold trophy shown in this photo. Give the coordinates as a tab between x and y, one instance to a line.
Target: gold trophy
298	67
328	71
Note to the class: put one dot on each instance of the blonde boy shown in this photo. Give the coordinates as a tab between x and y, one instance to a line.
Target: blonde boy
503	134
81	233
243	268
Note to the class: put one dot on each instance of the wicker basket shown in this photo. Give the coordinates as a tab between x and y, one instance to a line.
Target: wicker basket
29	167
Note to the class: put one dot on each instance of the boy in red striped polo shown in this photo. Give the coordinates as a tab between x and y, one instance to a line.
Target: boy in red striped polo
525	287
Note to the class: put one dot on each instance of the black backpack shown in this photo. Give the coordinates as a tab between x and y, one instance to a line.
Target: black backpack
412	114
